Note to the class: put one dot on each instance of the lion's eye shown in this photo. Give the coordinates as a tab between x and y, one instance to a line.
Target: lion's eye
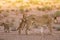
54	17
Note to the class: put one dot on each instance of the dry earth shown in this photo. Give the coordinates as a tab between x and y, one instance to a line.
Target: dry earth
33	35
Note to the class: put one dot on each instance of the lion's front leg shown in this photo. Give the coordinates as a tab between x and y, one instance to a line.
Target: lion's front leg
19	31
27	30
50	29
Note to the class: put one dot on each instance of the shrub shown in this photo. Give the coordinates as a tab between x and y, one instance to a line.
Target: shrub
57	14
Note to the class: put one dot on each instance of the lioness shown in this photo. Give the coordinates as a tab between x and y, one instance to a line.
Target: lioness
40	20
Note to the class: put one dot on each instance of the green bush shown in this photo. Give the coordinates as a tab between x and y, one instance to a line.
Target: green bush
57	14
58	28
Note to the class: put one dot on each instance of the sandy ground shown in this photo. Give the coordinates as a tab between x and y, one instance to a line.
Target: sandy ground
33	35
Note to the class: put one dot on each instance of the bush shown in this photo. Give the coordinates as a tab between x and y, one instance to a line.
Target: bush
58	28
57	14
